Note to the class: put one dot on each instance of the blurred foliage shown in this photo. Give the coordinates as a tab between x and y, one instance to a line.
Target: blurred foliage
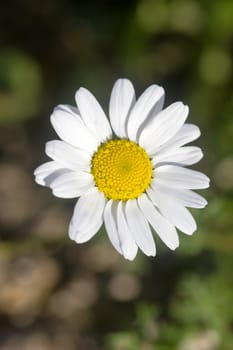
20	87
58	295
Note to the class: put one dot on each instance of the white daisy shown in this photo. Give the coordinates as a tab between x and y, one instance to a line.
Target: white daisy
129	172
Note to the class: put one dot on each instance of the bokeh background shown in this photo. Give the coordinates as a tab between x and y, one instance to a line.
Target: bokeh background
55	294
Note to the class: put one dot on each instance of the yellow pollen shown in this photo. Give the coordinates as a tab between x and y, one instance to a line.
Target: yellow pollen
122	170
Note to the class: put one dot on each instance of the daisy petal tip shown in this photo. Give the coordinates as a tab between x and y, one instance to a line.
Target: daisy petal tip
56	194
80	92
207	182
153	250
78	239
152	254
129	257
161	90
71	231
80	89
177	104
201	154
39	181
53	116
49	147
174	246
183	107
74	235
35	172
185	110
124	81
191	231
58	108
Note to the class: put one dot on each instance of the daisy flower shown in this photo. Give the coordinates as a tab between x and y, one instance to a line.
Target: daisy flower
129	171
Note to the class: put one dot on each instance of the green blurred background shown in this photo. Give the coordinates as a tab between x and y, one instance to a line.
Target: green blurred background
54	294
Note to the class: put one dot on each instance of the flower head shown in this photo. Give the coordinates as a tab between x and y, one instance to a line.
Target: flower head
130	172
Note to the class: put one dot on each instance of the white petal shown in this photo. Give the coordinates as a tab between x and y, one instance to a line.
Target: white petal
88	216
187	198
121	101
178	177
70	128
128	245
110	222
163	127
67	155
165	230
183	156
186	134
72	184
148	104
45	170
93	115
177	214
49	172
139	226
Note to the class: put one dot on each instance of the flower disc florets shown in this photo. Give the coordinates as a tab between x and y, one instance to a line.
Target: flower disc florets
122	170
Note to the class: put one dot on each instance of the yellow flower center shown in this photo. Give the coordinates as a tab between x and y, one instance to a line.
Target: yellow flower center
122	170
